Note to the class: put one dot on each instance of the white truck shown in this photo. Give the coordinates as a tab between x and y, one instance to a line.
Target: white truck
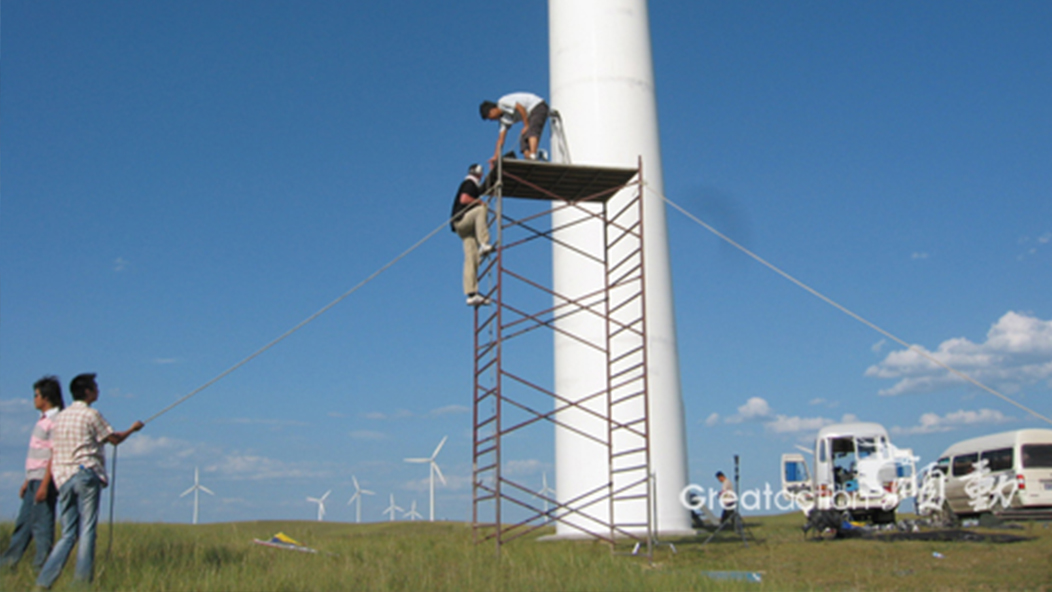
857	470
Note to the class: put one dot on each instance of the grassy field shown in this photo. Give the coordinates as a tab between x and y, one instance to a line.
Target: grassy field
441	556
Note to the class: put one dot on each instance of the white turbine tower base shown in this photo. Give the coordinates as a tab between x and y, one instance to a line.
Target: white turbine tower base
196	488
545	492
434	471
321	504
392	509
357	497
602	84
412	514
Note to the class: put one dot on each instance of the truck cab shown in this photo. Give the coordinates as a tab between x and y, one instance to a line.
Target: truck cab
856	470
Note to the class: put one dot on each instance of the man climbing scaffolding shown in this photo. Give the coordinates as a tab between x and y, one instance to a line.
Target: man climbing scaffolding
526	107
468	220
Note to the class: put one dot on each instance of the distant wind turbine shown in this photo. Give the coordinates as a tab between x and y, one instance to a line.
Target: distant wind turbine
545	492
434	470
321	504
392	509
412	514
196	488
357	497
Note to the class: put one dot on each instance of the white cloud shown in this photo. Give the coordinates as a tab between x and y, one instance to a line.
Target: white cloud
145	444
448	409
783	424
530	466
876	347
398	414
919	256
1017	352
120	264
930	423
1031	246
754	409
263	421
712	419
242	466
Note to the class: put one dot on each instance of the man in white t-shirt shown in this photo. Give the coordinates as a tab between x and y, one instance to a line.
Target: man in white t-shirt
526	107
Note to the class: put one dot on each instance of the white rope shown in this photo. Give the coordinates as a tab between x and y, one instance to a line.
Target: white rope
300	325
919	350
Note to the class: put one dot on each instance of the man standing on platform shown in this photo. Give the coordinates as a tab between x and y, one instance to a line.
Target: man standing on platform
468	220
526	107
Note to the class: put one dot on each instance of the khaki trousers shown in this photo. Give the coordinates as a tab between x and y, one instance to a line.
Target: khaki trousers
473	230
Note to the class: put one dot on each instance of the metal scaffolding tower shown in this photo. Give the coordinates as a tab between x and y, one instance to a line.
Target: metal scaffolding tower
510	382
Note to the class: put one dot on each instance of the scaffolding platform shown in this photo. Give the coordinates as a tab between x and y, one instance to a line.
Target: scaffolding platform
512	392
531	179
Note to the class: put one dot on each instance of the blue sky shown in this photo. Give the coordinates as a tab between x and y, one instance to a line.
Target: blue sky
183	182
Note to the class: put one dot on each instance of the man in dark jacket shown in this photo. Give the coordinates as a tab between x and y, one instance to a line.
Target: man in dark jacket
468	220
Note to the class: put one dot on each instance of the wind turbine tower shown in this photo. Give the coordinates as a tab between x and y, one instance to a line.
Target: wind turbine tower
357	497
392	509
602	84
196	488
321	504
434	471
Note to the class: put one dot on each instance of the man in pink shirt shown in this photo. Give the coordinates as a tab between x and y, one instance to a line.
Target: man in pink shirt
36	518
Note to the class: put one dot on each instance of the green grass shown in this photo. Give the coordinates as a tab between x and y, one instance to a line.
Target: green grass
441	556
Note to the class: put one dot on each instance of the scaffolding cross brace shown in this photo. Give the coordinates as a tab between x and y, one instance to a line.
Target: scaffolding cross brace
510	386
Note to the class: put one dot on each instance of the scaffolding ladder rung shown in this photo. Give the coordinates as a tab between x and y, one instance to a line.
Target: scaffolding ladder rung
621	453
629	469
488	467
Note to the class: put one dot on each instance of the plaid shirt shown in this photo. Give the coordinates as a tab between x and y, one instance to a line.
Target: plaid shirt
77	441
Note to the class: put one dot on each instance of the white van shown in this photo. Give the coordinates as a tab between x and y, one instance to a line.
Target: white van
991	473
857	469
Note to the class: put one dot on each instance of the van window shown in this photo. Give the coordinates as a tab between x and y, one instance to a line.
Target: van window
964	464
943	465
1037	456
998	460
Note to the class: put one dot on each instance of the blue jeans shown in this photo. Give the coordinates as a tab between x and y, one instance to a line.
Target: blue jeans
35	522
78	506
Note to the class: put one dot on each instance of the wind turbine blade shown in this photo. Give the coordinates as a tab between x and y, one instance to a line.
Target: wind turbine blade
326	495
355	479
357	494
799	447
439	447
187	492
314	499
439	471
206	490
418	460
367	492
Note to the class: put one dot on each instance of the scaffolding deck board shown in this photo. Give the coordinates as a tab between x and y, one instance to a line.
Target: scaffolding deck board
530	179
